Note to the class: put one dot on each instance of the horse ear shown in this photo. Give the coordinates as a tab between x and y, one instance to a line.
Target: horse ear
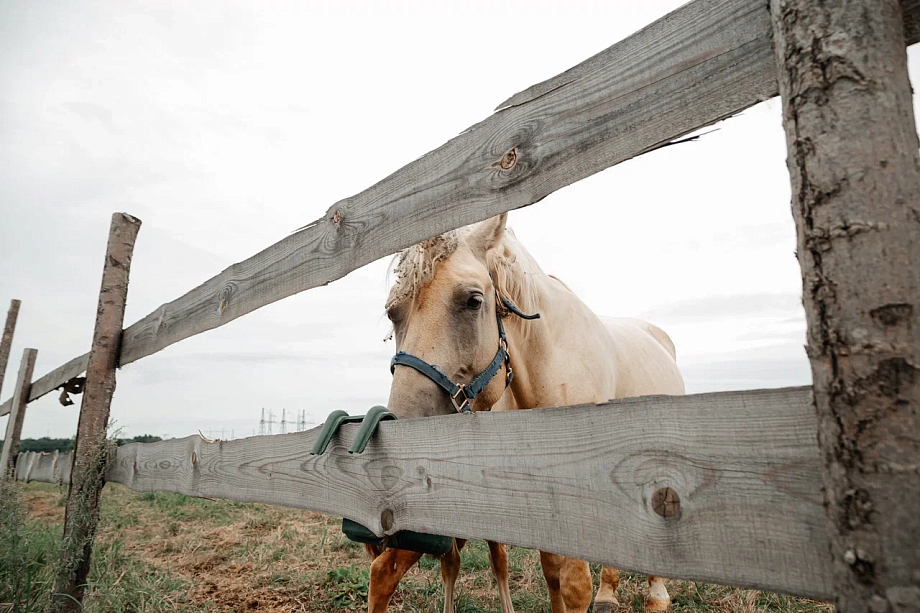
488	234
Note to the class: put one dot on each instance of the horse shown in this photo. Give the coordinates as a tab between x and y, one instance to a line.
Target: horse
473	306
389	565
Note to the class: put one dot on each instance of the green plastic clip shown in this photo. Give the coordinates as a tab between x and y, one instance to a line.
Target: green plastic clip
404	539
335	420
330	427
368	427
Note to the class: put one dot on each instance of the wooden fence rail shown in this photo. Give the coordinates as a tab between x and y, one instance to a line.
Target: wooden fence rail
577	480
703	62
44	467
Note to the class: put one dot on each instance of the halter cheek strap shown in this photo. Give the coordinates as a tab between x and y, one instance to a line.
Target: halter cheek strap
461	394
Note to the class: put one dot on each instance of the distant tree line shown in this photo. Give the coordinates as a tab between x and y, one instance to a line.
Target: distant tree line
45	444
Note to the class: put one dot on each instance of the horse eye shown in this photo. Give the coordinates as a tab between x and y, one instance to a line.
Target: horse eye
474	303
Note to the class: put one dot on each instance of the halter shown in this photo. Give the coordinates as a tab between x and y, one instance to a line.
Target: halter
462	393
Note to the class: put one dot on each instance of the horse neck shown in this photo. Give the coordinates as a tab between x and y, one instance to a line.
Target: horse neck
531	343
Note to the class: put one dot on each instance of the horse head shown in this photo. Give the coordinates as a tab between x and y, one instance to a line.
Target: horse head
446	317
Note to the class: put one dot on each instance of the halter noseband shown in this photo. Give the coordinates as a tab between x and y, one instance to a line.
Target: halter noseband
462	393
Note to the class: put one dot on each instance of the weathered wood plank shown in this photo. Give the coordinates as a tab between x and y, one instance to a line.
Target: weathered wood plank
701	63
22	464
64	468
6	342
575	480
44	468
32	457
671	25
855	172
90	447
54	379
712	60
18	414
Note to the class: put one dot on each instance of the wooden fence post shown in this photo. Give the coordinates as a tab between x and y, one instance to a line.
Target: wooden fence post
7	340
91	450
852	157
17	411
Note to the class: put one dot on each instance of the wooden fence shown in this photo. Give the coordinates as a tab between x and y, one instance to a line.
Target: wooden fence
577	480
44	467
698	65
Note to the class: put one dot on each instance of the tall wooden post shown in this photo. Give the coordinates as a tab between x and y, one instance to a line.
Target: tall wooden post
17	411
7	341
852	156
91	450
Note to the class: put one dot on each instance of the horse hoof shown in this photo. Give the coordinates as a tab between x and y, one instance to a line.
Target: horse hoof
656	605
606	607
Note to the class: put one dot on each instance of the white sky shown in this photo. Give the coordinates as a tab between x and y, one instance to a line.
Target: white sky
224	126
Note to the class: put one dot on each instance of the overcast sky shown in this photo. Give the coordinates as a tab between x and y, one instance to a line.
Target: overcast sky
225	126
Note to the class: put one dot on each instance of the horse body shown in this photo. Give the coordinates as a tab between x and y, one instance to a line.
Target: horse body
443	308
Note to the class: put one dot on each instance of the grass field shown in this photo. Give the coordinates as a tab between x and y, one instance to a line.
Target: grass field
168	552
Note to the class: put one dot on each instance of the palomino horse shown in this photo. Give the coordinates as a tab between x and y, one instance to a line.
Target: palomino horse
388	567
460	302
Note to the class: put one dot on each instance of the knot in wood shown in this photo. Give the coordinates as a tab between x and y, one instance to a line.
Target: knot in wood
509	159
666	502
386	520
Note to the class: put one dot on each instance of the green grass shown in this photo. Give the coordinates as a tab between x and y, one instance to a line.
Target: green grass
118	582
168	552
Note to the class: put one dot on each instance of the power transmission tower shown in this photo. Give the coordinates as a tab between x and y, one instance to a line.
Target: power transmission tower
262	423
283	422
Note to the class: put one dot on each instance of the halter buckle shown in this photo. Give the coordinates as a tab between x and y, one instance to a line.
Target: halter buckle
462	407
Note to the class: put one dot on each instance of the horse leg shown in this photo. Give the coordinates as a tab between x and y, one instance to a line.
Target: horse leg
498	560
575	581
386	572
658	598
450	568
606	599
552	569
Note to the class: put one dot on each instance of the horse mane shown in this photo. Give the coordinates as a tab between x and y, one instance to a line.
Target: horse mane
513	268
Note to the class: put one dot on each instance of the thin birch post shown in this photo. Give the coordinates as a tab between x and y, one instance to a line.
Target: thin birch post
17	411
7	341
853	161
91	450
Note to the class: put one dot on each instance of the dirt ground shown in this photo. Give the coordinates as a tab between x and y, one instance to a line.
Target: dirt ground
227	556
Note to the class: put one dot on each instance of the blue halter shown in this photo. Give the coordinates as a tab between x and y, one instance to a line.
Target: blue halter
462	393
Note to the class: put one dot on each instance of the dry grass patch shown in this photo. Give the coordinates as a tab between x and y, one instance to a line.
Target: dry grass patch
226	556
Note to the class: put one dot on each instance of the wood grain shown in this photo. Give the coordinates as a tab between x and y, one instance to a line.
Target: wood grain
575	480
697	65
